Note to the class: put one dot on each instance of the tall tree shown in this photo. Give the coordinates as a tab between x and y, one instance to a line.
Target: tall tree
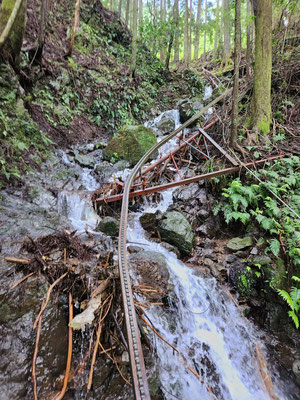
42	29
190	31
120	8
205	27
249	39
134	37
217	30
197	30
226	23
186	33
140	12
261	98
237	57
176	22
163	20
12	27
127	13
76	21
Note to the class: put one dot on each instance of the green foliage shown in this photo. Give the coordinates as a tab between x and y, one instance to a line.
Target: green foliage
242	202
293	300
18	135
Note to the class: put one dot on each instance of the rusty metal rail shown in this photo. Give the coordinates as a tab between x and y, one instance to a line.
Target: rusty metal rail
140	383
197	178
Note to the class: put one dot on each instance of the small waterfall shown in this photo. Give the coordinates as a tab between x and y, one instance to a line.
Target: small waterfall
206	327
76	206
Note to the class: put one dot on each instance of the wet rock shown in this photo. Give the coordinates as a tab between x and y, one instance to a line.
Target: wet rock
175	229
109	225
130	143
276	274
166	125
185	193
231	258
254	251
18	310
188	108
170	247
86	148
262	260
149	221
151	268
134	249
243	278
296	370
85	160
121	165
237	243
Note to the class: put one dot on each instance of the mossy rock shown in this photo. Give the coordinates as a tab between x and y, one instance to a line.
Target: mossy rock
176	230
109	225
130	143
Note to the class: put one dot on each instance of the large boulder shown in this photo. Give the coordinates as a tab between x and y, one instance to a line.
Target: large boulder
130	143
175	229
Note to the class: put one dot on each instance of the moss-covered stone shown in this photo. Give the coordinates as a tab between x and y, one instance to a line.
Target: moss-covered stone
237	243
109	226
130	143
175	229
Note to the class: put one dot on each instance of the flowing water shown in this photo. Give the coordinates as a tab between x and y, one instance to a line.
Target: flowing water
213	339
208	330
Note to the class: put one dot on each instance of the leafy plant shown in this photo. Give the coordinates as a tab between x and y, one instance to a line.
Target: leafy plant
242	202
293	300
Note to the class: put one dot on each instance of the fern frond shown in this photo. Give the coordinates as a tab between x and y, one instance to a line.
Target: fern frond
294	318
274	247
286	297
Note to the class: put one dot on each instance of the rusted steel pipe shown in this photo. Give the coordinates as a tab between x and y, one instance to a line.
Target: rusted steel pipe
182	182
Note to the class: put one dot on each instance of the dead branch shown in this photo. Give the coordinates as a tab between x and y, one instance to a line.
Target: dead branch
20	281
17	260
95	352
36	347
45	302
69	358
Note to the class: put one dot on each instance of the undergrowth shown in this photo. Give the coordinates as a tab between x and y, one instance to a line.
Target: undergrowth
19	135
254	204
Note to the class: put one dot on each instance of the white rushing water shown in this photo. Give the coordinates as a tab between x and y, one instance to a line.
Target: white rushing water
76	206
202	322
208	330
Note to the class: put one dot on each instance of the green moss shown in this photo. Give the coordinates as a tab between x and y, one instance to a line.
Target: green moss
130	143
264	127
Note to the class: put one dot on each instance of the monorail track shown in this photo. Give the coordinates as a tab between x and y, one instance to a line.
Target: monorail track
139	378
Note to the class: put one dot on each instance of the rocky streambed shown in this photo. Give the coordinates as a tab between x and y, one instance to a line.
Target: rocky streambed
53	203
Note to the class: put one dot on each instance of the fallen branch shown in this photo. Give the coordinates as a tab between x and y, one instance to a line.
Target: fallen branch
116	364
36	347
69	358
17	260
90	381
101	319
20	281
45	302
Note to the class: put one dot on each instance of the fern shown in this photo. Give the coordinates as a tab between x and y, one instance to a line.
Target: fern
294	318
286	297
275	247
